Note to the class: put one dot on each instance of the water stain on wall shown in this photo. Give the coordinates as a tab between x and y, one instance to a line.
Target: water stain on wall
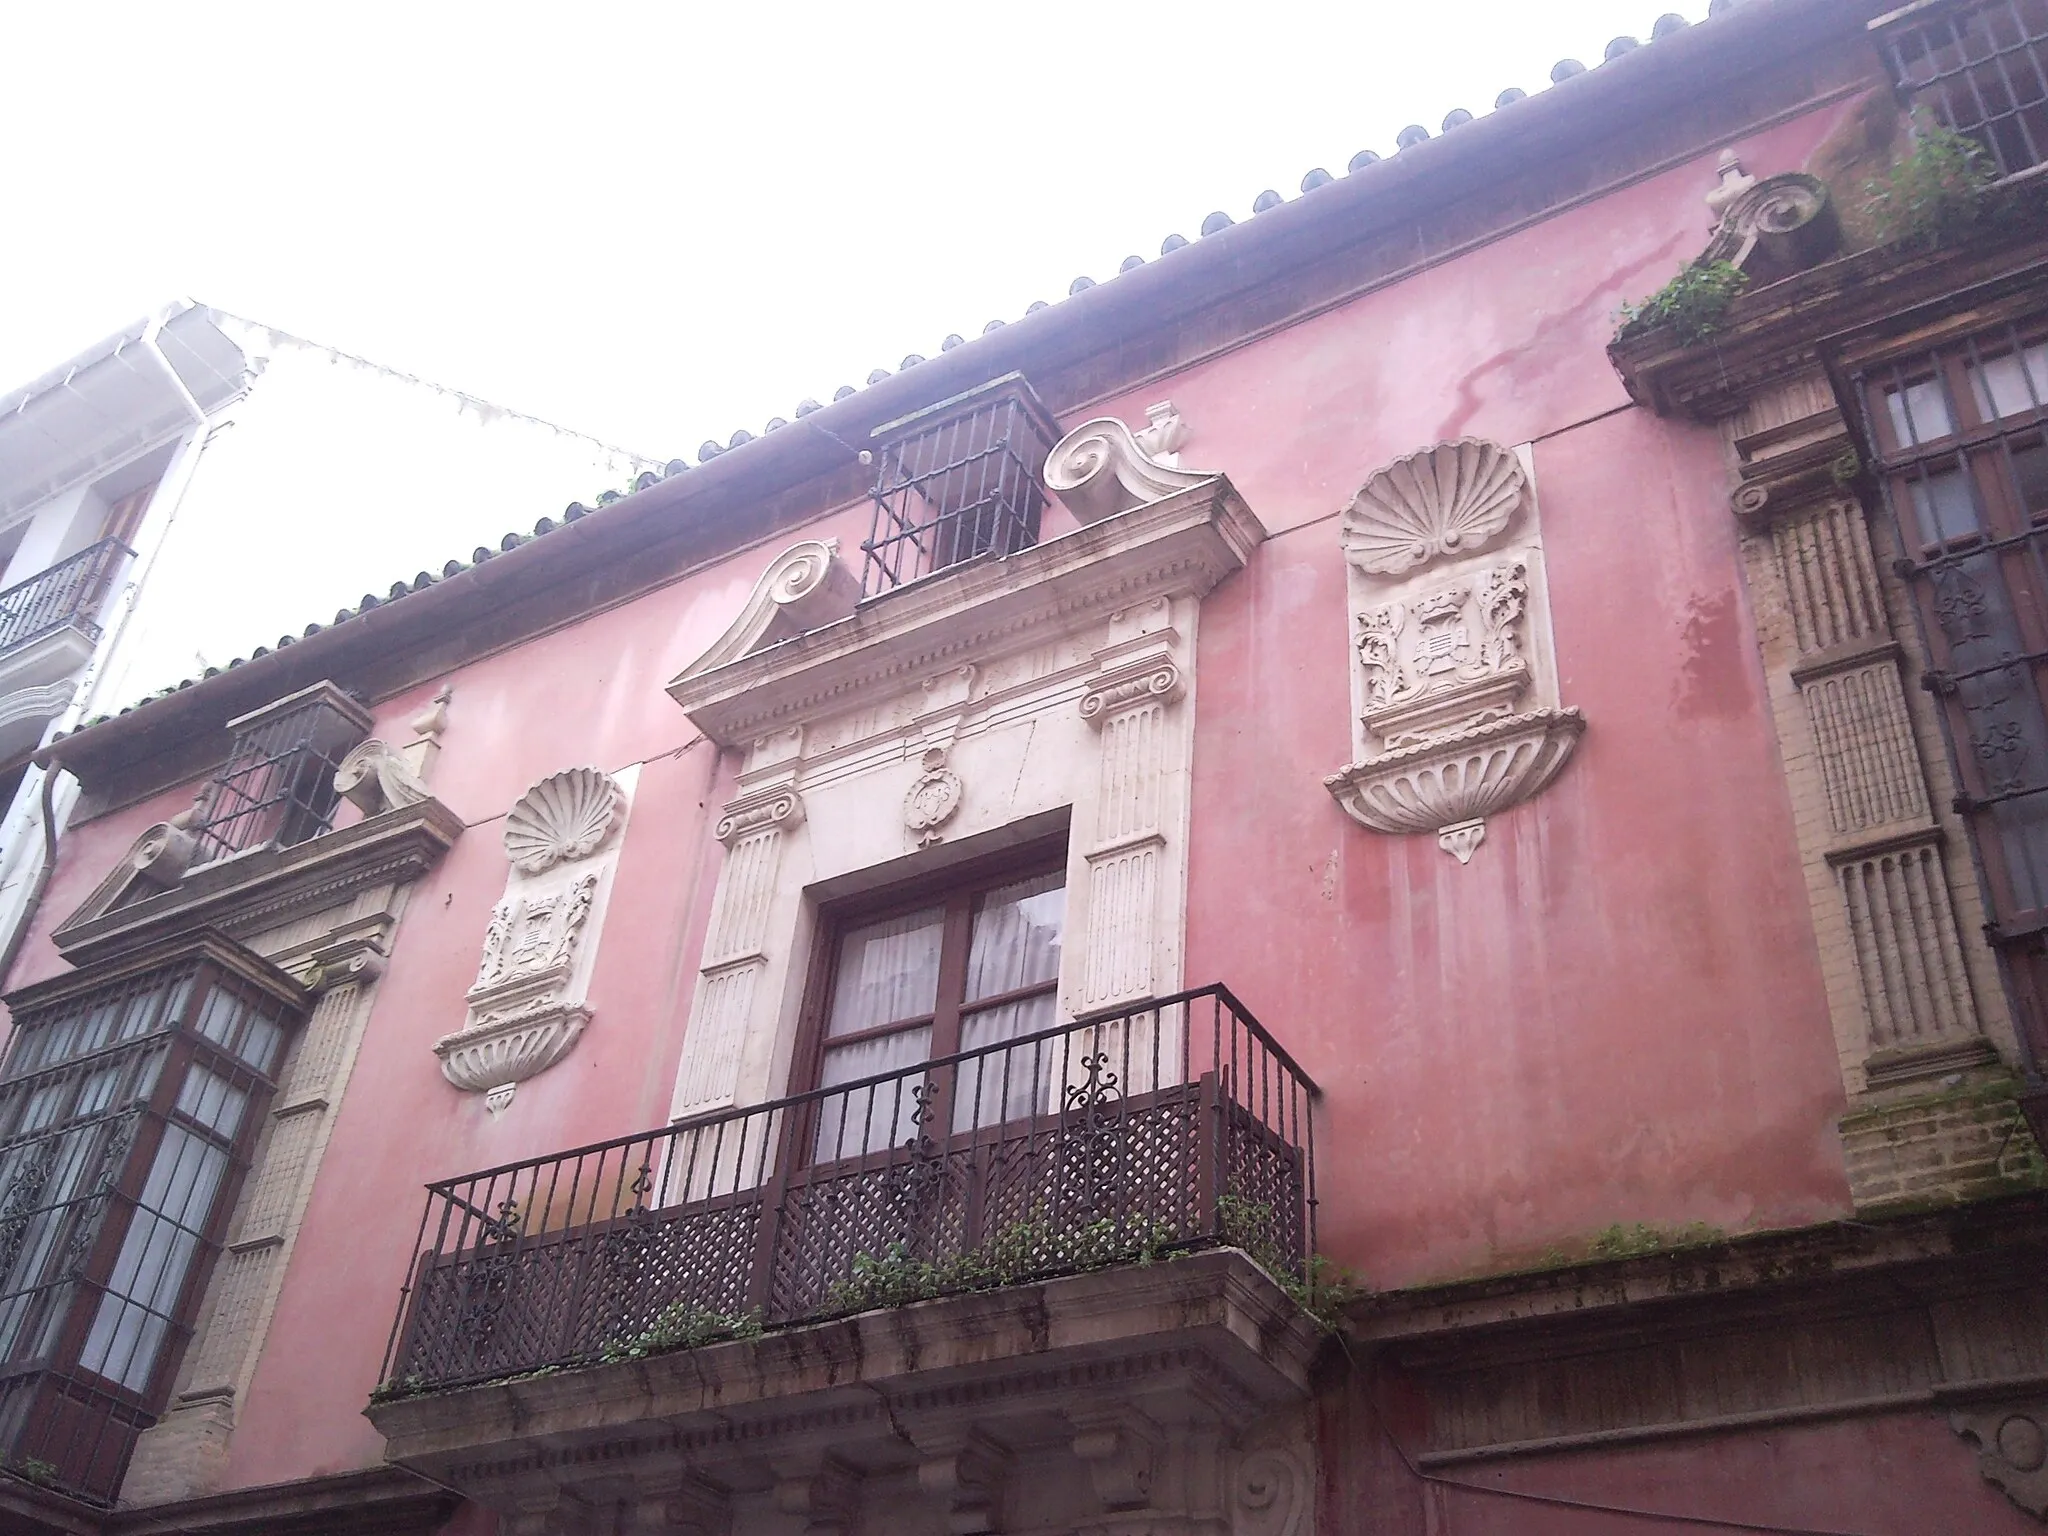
1714	679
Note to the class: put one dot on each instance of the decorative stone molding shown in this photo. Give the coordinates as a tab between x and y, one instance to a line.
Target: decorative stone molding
1100	1405
1102	468
1004	705
140	903
964	1472
375	778
933	798
526	1008
1447	501
565	816
2011	1441
1775	227
805	587
1274	1492
1450	786
1453	682
1118	1446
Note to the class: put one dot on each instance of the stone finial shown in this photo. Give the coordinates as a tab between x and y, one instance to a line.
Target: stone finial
1732	184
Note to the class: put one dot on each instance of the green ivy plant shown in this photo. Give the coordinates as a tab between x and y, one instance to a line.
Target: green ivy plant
1692	305
1320	1288
1936	193
682	1325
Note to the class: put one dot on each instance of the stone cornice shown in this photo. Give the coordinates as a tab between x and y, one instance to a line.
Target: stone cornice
205	944
1185	543
1976	1247
396	845
1802	322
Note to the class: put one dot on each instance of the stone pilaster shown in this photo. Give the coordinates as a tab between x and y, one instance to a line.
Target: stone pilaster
730	979
1912	988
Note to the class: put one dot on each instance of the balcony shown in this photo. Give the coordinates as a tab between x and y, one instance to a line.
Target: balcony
49	625
1020	1224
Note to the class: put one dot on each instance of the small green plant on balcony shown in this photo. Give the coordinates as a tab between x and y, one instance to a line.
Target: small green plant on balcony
1319	1287
1692	305
1936	193
682	1325
30	1469
1021	1251
413	1385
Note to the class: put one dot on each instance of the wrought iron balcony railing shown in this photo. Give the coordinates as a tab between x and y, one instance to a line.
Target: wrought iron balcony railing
69	593
1176	1125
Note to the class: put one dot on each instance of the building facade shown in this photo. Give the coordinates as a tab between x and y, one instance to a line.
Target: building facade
198	481
1305	893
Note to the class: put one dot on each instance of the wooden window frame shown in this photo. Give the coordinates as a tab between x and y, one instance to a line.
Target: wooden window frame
56	1380
959	890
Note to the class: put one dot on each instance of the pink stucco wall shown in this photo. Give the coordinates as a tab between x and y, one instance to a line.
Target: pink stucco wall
1612	1014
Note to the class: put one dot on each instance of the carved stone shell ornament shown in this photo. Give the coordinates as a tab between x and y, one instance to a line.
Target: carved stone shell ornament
567	815
1452	499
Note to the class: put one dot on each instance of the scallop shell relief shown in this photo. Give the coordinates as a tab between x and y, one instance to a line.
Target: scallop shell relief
567	815
1451	499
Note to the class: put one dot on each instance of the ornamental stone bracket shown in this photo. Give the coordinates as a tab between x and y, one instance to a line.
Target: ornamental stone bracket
527	1006
1453	679
2011	1440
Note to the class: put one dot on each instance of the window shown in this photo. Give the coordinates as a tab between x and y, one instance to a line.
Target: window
1960	436
128	1107
951	970
1981	69
961	479
277	786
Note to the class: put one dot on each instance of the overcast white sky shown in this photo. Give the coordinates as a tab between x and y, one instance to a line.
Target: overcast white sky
658	224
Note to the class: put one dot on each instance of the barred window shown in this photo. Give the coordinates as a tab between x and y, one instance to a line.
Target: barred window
277	786
128	1108
961	479
1981	69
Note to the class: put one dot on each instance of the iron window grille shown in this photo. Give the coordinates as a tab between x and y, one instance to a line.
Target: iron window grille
1980	69
67	595
277	786
955	481
1959	436
129	1104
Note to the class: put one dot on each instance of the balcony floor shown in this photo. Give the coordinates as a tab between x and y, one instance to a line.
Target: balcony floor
1115	1390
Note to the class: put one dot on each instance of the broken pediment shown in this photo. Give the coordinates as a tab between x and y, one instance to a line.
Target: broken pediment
805	587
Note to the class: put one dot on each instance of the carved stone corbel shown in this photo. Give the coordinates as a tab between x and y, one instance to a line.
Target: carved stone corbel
1119	1446
826	1494
1274	1493
2011	1440
964	1472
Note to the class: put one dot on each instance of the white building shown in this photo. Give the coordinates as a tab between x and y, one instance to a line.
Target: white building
197	485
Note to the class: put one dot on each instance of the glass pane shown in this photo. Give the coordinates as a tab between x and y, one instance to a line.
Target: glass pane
2013	385
888	971
1013	1084
1017	937
871	1119
2030	478
1919	412
1943	506
223	1011
213	1102
129	1328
